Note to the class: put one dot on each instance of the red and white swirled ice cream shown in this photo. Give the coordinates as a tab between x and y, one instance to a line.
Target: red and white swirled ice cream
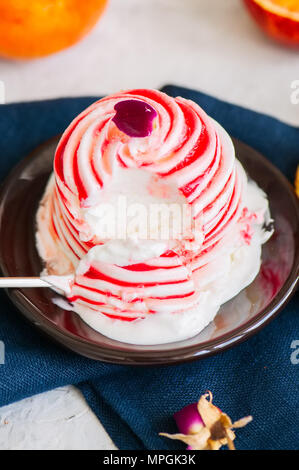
122	158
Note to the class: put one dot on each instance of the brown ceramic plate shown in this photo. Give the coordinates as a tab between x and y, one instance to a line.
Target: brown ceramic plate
238	319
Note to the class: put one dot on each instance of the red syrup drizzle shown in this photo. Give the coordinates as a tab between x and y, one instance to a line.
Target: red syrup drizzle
270	278
134	117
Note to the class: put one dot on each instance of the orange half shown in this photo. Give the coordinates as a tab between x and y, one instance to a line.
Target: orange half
278	18
284	8
34	28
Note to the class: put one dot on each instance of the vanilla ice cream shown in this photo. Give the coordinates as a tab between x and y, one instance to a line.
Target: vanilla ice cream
151	217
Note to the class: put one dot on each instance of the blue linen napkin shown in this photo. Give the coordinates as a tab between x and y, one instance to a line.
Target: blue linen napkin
134	404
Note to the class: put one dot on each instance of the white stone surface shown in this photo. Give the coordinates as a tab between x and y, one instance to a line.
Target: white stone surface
59	419
211	45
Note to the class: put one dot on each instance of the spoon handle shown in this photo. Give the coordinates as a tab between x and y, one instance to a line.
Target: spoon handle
22	282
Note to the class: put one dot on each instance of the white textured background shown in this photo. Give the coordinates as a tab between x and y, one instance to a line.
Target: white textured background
211	45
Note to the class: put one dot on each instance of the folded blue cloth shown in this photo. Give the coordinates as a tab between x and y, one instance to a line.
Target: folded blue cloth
134	404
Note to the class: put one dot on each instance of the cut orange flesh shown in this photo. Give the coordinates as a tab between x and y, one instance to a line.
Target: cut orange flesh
278	18
285	8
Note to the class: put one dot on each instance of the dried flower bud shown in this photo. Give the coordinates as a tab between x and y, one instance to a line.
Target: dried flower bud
216	430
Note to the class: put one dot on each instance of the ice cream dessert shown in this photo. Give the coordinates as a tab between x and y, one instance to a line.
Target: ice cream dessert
150	217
